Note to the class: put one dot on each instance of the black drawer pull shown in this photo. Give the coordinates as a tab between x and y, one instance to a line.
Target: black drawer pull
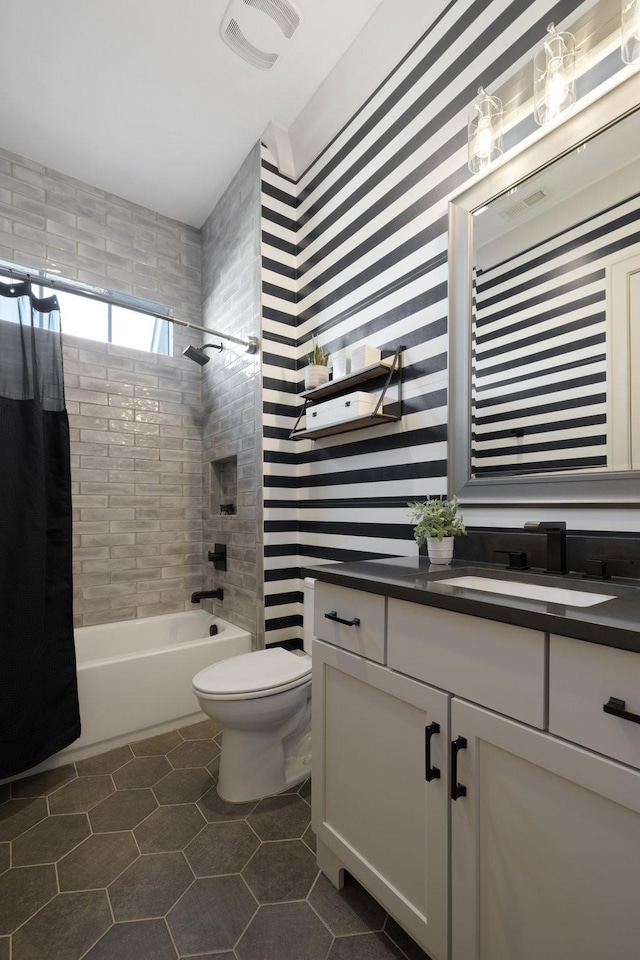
457	789
617	708
336	619
430	773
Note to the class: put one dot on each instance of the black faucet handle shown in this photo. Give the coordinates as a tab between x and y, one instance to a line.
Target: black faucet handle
596	568
518	559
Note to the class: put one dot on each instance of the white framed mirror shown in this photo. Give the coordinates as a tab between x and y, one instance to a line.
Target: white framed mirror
544	313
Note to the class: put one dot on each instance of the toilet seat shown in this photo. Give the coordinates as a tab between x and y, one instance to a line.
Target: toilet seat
262	673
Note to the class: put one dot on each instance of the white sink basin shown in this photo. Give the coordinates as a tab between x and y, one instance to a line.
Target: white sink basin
529	591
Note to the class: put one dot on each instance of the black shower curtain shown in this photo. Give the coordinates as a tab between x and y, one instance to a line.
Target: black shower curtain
39	712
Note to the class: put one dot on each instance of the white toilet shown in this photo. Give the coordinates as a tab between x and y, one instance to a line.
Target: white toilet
263	701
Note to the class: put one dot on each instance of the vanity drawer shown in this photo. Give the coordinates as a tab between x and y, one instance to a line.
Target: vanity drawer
490	663
582	678
333	604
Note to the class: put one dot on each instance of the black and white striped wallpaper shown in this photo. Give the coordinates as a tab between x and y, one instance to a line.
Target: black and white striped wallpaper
540	399
355	252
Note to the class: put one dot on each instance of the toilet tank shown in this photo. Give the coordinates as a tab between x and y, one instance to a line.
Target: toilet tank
309	584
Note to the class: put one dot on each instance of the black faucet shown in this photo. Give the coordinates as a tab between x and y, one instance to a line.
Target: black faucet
207	595
556	532
218	556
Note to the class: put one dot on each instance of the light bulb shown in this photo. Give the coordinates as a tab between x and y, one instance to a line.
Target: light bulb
632	12
553	76
483	142
557	89
631	31
484	131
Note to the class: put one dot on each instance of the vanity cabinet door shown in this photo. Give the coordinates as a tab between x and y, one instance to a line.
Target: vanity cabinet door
544	846
373	808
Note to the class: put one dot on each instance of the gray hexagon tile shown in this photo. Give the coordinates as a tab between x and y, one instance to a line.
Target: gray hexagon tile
50	934
347	911
215	809
158	745
18	816
135	941
221	848
188	874
80	795
305	791
141	772
193	753
183	786
367	946
285	817
97	861
50	839
402	939
285	931
169	828
150	886
105	762
123	810
309	838
211	915
42	784
23	890
281	870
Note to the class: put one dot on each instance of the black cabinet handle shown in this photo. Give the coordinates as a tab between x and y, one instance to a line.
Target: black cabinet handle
617	708
457	789
430	773
348	623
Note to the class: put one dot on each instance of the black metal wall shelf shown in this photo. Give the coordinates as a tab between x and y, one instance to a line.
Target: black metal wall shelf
385	368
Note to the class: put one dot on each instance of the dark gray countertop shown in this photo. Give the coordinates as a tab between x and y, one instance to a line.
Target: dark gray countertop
613	622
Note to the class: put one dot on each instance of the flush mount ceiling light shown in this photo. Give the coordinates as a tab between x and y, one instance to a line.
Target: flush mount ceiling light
554	87
631	31
260	31
484	131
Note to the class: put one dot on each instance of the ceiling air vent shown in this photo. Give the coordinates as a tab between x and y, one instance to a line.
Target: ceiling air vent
521	206
259	31
283	13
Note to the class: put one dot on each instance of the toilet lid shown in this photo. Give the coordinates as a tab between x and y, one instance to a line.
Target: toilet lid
260	673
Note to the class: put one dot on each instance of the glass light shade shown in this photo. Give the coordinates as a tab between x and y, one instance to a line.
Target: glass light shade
631	31
484	132
554	86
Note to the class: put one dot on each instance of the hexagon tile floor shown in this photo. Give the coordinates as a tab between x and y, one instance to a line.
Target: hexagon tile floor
131	855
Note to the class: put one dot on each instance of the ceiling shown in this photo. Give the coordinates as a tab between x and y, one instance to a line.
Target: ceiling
144	100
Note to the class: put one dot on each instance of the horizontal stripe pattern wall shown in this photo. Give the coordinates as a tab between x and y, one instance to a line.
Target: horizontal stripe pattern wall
540	351
355	253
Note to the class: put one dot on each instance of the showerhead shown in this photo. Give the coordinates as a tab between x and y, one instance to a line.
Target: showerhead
198	354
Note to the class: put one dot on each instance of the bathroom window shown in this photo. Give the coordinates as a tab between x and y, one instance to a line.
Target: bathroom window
111	323
98	319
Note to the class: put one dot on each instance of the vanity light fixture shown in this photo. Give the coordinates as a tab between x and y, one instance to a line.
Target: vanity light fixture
554	87
631	31
484	131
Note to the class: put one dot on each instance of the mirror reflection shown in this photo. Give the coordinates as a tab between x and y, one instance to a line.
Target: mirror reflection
555	377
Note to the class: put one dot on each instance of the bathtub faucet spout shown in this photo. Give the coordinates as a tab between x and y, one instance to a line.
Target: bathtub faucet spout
207	595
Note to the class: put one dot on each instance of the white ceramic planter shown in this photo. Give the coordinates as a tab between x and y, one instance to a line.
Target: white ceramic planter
440	551
314	375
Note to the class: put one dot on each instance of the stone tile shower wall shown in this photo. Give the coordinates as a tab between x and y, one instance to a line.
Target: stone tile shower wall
232	447
135	417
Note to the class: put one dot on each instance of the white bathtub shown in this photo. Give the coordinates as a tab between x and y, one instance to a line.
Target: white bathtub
134	677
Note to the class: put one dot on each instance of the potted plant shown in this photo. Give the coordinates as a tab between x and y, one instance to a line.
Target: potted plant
438	521
317	370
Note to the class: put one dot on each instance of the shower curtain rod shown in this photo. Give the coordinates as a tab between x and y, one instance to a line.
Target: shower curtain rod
46	280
